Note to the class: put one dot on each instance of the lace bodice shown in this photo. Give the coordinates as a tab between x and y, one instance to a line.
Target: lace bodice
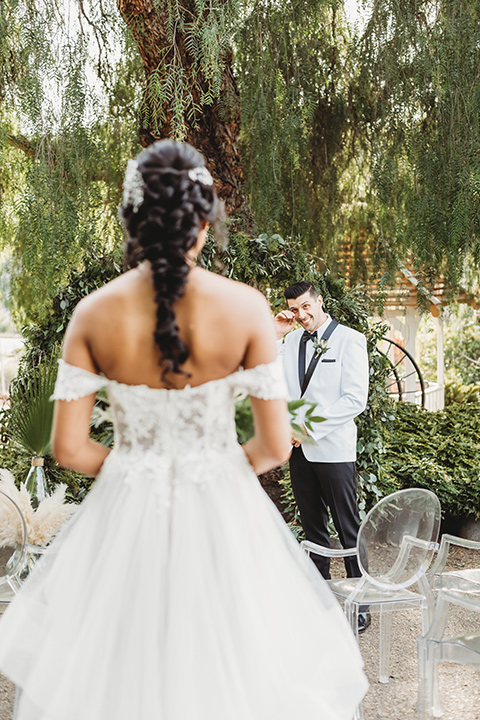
174	422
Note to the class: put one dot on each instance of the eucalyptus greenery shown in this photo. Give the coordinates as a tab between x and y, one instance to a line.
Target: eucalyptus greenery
245	426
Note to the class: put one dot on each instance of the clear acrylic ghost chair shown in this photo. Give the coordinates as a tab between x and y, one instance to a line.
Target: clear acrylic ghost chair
437	575
464	580
395	546
13	555
13	547
435	645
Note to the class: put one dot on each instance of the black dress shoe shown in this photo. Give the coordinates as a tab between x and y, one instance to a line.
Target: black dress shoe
364	621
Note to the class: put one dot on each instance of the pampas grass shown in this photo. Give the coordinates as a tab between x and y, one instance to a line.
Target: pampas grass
43	523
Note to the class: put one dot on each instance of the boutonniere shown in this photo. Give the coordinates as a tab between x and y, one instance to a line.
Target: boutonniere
320	345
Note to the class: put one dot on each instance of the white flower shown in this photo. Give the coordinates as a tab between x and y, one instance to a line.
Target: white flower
320	346
201	175
133	186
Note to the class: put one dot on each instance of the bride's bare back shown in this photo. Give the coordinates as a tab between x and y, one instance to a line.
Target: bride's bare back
224	324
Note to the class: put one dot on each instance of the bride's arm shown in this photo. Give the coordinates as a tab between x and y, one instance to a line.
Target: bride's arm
72	446
271	444
71	442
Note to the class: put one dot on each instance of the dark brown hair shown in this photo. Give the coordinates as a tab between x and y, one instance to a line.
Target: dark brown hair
164	227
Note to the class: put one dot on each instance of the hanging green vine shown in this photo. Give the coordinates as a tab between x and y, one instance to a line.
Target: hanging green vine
296	135
367	137
63	149
419	70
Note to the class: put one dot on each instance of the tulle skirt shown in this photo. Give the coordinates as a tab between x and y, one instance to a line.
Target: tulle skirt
168	599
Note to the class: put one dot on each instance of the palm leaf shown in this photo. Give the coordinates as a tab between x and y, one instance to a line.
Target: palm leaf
31	413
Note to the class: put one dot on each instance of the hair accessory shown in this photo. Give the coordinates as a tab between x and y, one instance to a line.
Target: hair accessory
201	175
133	186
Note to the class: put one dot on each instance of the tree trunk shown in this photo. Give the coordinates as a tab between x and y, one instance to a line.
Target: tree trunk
214	131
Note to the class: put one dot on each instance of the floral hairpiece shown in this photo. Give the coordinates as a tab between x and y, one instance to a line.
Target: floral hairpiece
201	175
133	186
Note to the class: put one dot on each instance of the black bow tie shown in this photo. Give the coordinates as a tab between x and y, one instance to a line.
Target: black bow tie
309	336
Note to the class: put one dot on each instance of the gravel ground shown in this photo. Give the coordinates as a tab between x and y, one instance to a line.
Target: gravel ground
7	696
459	685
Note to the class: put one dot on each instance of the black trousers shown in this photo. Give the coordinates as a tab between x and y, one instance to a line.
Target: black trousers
318	486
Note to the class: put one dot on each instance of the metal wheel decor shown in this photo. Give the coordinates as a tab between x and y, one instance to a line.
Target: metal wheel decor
403	366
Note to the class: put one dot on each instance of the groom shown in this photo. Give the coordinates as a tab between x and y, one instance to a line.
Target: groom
327	364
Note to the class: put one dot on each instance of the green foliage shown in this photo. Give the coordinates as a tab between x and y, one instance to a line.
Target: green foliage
31	413
244	420
369	136
64	144
271	263
44	339
417	61
41	342
292	61
191	64
457	393
245	426
372	424
462	352
439	451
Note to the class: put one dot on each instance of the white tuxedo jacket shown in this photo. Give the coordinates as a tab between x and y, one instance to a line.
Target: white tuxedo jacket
338	387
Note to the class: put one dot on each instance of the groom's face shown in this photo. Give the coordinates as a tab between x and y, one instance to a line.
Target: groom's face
308	311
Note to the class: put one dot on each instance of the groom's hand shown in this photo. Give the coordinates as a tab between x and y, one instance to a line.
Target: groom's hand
284	322
297	439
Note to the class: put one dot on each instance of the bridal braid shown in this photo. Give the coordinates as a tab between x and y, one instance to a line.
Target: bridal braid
163	210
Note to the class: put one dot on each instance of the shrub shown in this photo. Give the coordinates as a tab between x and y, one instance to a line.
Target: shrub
439	451
459	393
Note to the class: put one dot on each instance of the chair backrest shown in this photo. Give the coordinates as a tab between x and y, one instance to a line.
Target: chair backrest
13	539
471	551
398	537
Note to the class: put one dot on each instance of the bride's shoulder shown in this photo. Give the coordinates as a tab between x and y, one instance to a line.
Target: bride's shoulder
110	297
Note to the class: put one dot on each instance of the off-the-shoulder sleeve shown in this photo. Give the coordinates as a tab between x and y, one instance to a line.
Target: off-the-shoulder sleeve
266	382
74	382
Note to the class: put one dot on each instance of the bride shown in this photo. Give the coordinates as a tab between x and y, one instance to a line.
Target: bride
176	592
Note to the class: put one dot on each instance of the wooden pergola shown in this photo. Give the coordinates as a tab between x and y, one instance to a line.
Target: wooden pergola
400	307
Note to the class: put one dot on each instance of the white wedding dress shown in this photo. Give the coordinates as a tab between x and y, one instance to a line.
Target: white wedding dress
177	592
